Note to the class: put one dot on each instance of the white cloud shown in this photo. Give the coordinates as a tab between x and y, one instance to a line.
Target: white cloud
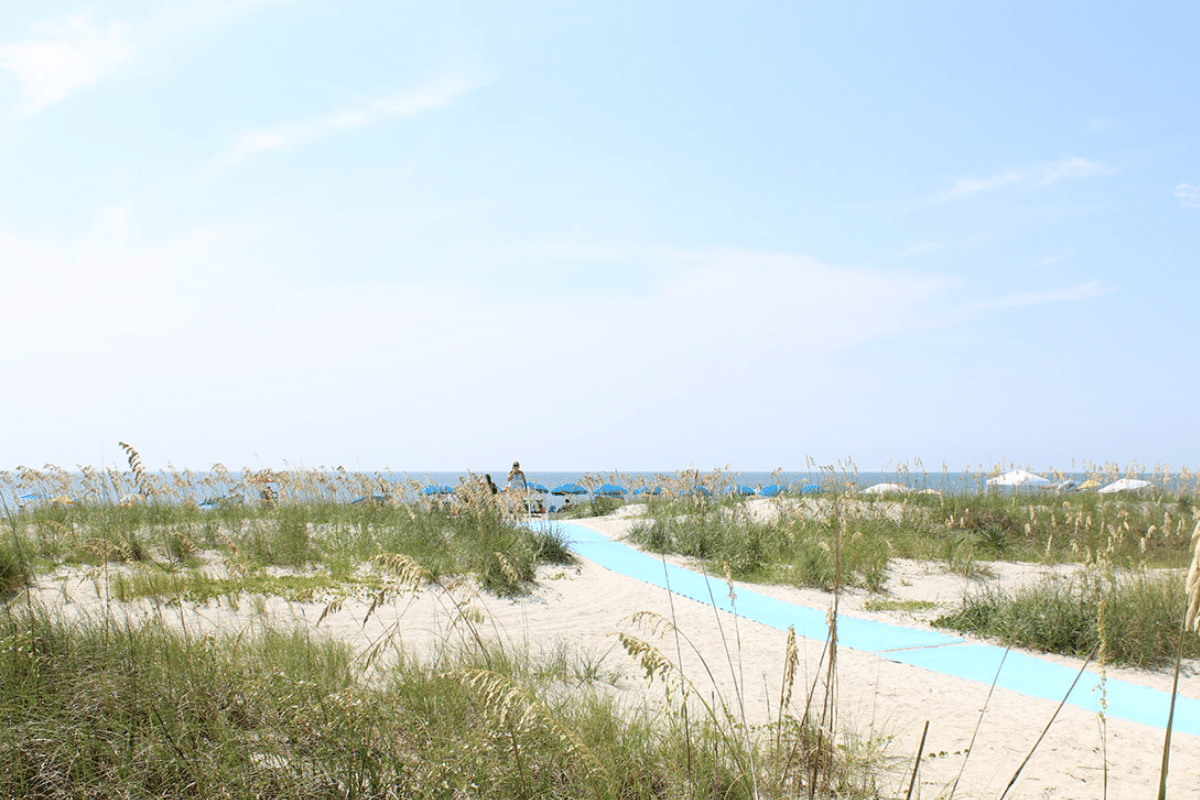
1189	195
1038	175
74	52
283	135
205	353
66	56
921	248
1080	291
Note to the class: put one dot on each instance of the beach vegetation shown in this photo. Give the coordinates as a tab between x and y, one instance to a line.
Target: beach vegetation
125	705
1142	616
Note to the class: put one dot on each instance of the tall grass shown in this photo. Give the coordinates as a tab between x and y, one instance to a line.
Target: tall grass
1142	616
109	707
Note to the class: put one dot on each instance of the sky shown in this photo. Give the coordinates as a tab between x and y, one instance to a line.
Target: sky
629	235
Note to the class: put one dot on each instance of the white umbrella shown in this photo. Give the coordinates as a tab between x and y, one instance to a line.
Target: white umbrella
1018	477
1124	485
885	488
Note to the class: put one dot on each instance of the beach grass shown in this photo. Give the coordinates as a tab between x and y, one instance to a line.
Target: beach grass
108	707
1142	616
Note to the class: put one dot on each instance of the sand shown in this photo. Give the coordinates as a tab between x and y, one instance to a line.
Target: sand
877	700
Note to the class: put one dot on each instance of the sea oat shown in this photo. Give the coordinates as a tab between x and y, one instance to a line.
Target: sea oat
1193	583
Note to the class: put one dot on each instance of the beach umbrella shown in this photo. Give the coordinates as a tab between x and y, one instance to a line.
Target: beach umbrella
536	487
885	488
1018	477
611	490
568	488
702	490
1090	483
654	490
1124	485
814	488
434	489
741	489
774	490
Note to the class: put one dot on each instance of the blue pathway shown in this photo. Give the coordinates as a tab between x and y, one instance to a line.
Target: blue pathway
931	650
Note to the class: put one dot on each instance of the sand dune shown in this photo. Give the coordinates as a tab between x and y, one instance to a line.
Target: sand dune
582	606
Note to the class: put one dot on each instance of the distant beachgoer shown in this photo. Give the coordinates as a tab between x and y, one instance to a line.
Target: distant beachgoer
516	478
518	486
491	487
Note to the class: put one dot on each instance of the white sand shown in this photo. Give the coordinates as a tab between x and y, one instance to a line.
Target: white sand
584	605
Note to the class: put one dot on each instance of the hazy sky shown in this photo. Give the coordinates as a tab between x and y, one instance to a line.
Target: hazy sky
599	236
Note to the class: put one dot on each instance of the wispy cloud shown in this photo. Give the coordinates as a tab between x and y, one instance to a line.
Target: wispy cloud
74	52
1189	195
1080	291
64	57
1038	175
920	248
288	134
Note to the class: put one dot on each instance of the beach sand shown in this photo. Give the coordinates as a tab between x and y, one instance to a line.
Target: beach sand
582	606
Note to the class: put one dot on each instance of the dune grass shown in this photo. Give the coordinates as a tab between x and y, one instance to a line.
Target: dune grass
113	708
127	705
1142	616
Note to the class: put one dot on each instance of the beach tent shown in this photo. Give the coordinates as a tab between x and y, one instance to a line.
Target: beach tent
611	490
568	488
885	488
1124	485
1018	477
772	491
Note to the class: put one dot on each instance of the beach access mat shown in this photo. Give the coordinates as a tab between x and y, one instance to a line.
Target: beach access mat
931	650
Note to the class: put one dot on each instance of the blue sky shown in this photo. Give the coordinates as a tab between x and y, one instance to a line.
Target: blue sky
599	236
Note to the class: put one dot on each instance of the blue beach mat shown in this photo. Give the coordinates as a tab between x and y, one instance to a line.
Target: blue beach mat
931	650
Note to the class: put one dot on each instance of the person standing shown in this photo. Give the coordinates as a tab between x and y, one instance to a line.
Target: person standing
516	478
518	487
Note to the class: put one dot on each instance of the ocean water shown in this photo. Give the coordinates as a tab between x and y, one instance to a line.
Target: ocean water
347	487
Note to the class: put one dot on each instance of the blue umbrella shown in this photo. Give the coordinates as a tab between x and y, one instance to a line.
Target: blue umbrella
569	488
704	490
773	490
536	487
380	499
654	490
443	489
812	487
611	490
742	489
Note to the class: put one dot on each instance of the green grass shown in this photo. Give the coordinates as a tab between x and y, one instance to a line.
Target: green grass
881	604
107	708
1143	617
477	540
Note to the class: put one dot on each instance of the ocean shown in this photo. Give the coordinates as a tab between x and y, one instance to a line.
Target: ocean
348	486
